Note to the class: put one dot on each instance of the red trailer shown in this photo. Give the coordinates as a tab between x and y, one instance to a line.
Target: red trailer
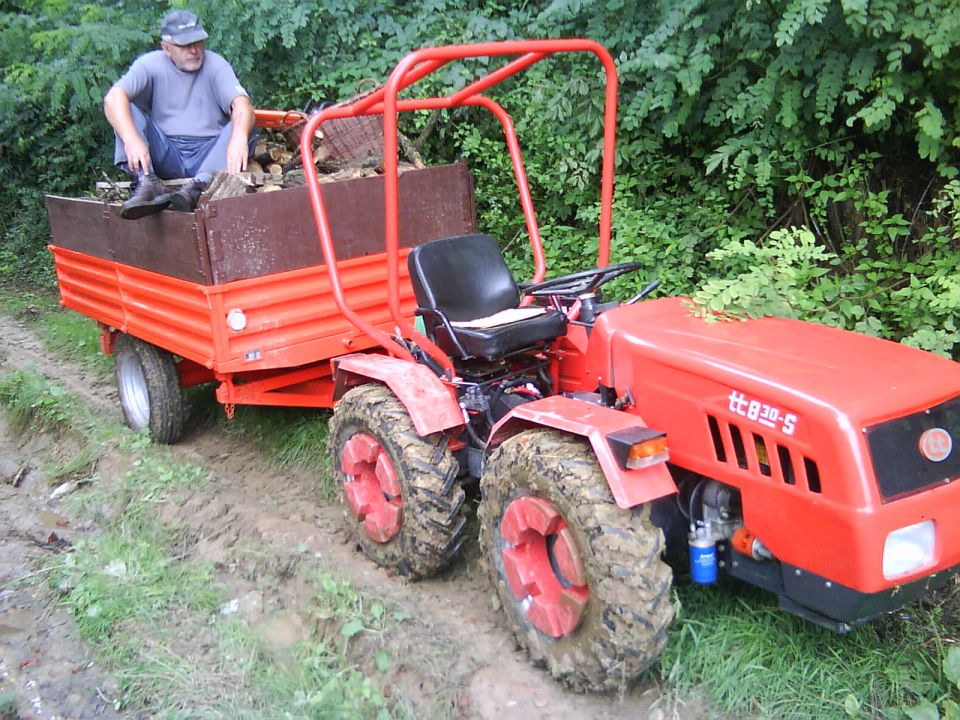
812	462
238	292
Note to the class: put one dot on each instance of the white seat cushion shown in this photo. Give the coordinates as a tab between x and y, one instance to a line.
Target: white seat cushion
504	317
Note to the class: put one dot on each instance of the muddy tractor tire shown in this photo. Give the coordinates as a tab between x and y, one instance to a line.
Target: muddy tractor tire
149	388
581	581
399	490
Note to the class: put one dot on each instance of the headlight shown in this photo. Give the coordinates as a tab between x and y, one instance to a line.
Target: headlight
909	549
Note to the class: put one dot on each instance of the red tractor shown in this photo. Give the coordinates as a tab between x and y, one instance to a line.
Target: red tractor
813	462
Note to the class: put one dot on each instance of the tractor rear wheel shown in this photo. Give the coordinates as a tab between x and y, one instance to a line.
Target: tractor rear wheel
149	388
399	490
581	580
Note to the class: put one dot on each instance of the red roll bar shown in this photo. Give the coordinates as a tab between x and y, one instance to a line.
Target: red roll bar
384	101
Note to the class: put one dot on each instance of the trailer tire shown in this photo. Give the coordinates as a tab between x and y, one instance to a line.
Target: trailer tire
415	527
149	388
602	564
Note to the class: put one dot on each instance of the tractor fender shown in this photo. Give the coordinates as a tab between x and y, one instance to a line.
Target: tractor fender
430	402
594	422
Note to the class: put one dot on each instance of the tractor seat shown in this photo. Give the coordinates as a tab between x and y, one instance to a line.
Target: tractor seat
470	302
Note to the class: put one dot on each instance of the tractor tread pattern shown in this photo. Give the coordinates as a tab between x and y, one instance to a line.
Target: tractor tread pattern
433	519
624	628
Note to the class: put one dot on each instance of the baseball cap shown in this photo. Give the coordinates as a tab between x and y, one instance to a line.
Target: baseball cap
181	27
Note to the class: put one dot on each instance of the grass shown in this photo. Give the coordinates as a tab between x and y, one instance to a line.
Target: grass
753	658
34	403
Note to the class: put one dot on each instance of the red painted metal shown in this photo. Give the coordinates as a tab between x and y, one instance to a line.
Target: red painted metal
432	404
291	318
306	386
594	422
554	602
371	487
108	339
832	383
277	119
410	70
192	373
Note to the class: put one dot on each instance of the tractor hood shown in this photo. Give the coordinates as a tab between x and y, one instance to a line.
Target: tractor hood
799	364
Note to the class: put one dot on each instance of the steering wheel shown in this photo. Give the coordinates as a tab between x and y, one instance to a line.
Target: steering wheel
584	281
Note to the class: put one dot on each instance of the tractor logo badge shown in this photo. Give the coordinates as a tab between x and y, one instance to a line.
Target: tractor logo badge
936	444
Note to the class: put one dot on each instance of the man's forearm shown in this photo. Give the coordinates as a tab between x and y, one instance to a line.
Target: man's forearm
242	117
116	107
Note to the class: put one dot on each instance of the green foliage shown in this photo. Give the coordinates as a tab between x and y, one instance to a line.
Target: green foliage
838	74
874	282
772	278
736	118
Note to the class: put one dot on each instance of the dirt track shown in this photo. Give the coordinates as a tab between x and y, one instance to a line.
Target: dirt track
458	657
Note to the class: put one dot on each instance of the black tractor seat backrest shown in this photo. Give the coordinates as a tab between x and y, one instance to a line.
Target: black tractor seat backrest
464	277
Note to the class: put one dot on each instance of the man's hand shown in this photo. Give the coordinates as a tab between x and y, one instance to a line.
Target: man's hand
138	155
242	117
237	152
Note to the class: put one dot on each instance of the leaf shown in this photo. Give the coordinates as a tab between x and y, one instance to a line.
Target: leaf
923	711
851	705
951	665
352	627
930	120
383	660
929	131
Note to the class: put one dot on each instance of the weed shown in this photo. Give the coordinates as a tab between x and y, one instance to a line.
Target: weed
8	706
338	600
80	465
752	658
34	403
75	337
292	437
126	574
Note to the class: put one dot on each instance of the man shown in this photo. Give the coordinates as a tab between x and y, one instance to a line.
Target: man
178	112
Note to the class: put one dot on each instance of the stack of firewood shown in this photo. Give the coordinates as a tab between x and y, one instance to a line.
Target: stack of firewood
276	163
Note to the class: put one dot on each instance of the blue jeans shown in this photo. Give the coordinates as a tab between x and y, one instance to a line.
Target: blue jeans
179	156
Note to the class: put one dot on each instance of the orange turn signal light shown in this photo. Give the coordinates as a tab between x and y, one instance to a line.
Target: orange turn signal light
639	447
647	453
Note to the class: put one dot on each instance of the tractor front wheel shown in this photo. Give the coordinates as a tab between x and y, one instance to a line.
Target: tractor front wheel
399	490
149	388
581	580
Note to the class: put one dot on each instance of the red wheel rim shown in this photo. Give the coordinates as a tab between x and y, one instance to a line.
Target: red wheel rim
371	487
543	566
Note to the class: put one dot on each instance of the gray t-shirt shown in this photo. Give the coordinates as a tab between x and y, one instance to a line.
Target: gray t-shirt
195	104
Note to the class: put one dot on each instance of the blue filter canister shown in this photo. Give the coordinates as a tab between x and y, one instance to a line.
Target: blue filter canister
703	560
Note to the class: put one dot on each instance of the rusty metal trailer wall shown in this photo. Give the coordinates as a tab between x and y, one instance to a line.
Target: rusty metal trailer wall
171	279
258	234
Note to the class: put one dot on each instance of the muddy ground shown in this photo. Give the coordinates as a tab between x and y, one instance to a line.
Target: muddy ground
456	657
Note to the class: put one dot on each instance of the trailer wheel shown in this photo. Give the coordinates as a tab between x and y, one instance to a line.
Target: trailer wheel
149	388
399	490
581	581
